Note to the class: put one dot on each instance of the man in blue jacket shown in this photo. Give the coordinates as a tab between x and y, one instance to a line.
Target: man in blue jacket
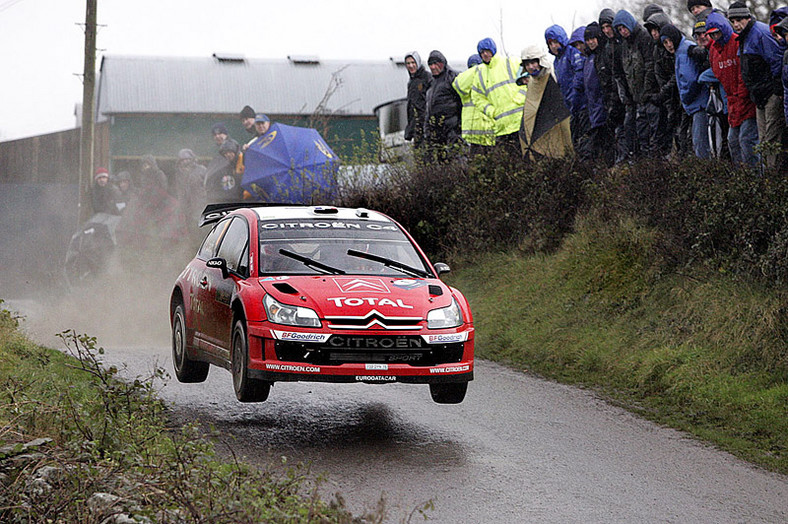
601	136
761	69
693	94
568	67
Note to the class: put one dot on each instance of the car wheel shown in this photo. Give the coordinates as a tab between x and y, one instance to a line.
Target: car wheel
247	389
448	393
186	370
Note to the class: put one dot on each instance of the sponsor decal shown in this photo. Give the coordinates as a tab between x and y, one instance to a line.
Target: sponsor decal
266	139
294	368
296	336
376	367
447	338
408	283
359	342
371	301
375	378
271	279
451	369
361	285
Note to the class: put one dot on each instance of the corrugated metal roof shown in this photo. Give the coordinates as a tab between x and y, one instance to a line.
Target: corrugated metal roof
145	84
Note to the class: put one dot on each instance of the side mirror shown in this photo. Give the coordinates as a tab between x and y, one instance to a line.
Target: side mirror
442	268
219	263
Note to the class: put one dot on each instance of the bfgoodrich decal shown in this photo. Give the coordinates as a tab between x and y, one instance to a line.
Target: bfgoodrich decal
447	338
295	336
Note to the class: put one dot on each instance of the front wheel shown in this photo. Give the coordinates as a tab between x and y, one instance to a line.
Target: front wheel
247	389
186	369
448	393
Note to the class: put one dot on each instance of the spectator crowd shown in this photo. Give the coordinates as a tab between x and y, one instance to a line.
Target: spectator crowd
617	90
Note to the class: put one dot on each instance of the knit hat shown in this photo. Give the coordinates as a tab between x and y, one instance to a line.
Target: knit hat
592	31
219	129
436	57
693	3
186	154
738	10
247	112
100	172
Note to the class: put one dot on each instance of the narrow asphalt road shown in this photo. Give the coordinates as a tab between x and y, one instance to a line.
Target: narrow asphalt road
519	449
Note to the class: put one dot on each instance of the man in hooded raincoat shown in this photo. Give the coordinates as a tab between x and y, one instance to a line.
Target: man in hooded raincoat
724	60
420	80
601	135
478	129
442	113
545	129
637	59
496	94
568	68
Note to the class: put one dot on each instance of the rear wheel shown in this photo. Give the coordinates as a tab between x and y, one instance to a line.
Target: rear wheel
247	389
448	393
186	370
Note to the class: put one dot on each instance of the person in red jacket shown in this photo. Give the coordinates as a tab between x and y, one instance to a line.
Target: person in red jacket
725	64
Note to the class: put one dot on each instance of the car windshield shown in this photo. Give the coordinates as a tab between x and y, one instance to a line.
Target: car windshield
319	244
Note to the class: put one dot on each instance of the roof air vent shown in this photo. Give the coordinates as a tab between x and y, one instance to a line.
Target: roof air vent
225	58
304	59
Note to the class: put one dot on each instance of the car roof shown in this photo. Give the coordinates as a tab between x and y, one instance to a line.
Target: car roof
318	212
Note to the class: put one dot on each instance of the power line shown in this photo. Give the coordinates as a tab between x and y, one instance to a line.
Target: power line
8	4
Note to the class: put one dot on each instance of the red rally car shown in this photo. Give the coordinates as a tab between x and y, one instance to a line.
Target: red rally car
288	293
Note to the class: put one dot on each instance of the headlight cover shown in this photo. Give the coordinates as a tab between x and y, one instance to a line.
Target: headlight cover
279	313
447	317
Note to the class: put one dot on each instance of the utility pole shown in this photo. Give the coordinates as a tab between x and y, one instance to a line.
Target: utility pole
88	88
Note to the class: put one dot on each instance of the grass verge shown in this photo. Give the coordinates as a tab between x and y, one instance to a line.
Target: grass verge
703	352
79	445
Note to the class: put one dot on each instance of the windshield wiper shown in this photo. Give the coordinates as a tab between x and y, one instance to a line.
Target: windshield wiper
308	262
408	270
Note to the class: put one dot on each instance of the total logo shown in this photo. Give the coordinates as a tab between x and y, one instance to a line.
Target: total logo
371	301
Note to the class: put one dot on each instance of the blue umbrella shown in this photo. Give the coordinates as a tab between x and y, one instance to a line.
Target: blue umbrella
290	165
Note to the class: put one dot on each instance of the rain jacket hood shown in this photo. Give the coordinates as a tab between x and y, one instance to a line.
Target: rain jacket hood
671	32
606	16
437	56
486	43
650	10
625	18
716	21
557	33
657	21
415	56
578	35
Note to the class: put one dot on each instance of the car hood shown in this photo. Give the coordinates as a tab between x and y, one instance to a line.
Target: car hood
359	296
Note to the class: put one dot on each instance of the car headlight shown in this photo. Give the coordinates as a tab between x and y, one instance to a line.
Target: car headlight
446	317
279	313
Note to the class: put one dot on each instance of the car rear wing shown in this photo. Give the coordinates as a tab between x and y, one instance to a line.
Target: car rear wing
215	212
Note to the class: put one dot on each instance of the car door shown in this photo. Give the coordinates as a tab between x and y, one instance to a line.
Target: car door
234	249
201	300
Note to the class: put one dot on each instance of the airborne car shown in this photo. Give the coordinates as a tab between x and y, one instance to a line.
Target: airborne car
324	294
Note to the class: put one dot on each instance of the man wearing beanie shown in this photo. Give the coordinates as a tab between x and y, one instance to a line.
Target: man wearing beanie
442	113
761	69
247	119
696	7
597	82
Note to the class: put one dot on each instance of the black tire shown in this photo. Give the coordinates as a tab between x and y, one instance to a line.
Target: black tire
247	389
186	370
453	393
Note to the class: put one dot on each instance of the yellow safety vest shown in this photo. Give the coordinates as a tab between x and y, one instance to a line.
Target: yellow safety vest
477	128
495	92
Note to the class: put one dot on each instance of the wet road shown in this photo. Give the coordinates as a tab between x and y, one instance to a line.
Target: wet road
519	449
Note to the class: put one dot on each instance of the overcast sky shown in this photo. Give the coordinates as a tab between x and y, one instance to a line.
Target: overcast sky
42	42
